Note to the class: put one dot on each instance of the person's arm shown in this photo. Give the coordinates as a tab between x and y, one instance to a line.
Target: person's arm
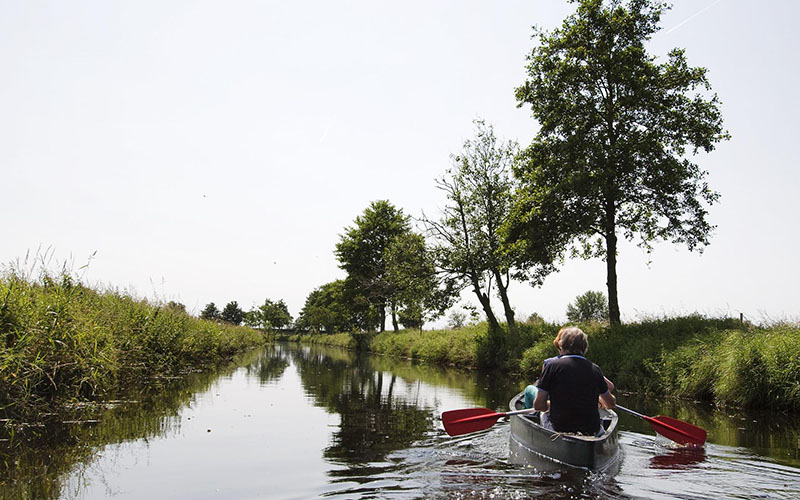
609	400
610	384
541	403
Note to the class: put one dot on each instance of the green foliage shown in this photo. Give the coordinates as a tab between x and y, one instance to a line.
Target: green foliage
722	360
591	306
210	312
533	357
758	367
175	306
344	340
62	340
616	127
232	313
454	347
457	319
418	295
362	253
327	309
270	315
469	248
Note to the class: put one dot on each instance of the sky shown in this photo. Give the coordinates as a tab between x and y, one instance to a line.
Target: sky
209	151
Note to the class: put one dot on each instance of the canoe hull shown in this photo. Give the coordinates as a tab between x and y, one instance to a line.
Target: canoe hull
530	442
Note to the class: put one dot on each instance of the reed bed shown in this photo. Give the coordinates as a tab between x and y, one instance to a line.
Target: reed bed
61	341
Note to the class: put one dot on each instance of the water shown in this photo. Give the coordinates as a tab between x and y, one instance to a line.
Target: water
300	422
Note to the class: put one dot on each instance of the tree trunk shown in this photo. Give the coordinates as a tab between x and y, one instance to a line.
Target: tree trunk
487	307
611	280
382	316
503	291
394	317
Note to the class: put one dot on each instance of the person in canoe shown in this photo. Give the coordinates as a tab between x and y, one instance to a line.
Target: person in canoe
574	385
530	391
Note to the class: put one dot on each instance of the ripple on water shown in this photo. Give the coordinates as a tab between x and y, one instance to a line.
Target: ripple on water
476	467
470	467
652	470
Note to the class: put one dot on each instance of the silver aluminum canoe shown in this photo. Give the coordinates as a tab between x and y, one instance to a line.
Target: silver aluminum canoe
530	442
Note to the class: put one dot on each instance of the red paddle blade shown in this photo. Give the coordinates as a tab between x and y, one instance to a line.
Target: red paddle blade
678	430
457	422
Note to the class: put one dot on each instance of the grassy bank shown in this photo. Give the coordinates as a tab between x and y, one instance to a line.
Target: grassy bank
720	360
61	341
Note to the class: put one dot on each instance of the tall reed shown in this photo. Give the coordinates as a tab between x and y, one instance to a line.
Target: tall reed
60	340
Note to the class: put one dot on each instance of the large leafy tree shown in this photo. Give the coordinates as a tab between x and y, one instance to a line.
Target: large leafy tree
327	309
419	293
272	314
617	129
362	253
470	248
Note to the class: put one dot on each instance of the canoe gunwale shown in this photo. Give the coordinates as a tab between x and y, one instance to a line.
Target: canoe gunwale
574	450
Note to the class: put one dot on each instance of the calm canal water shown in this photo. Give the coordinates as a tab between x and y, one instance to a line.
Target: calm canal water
295	422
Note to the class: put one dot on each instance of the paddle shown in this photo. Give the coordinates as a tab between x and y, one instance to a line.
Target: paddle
457	422
674	429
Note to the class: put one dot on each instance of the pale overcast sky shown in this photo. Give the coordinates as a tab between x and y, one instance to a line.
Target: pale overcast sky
215	151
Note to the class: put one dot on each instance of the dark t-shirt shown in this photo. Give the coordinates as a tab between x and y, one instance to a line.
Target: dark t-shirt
573	383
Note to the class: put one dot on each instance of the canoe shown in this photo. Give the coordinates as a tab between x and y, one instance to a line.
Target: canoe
530	441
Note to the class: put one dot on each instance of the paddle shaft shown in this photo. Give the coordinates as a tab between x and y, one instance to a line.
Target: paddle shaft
493	415
656	422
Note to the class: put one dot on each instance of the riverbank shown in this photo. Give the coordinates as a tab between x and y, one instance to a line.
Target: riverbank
62	342
725	361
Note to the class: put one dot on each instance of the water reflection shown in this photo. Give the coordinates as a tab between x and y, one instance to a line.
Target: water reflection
678	459
34	464
375	420
307	422
774	435
269	366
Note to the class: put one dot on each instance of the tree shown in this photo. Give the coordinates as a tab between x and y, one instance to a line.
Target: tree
418	293
591	306
326	309
361	253
274	314
252	318
457	319
174	306
470	247
210	312
611	153
232	313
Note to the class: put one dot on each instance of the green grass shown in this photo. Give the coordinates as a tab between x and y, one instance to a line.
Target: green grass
720	360
60	341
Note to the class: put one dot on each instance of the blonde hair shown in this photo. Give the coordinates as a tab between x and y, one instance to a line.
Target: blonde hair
557	340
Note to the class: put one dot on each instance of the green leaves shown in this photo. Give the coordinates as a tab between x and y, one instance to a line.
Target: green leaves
615	129
389	267
591	306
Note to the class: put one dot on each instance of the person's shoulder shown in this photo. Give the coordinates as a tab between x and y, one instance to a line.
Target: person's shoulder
548	360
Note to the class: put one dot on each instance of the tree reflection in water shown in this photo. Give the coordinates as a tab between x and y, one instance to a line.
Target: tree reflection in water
374	420
34	465
387	437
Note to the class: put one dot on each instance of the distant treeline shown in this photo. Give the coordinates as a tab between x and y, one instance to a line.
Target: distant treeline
725	361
